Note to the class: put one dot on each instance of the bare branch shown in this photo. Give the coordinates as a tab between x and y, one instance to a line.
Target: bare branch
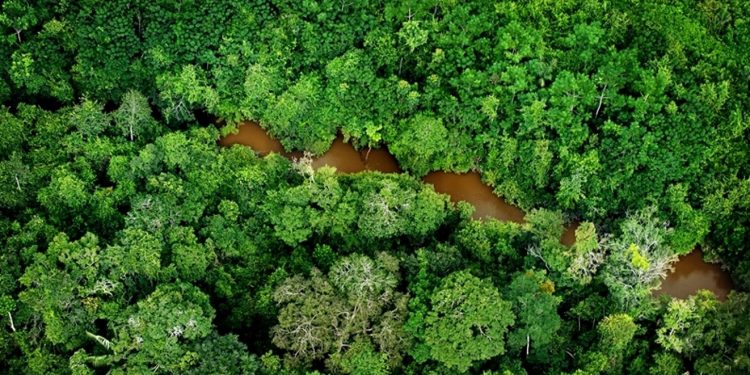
10	317
101	340
601	99
528	342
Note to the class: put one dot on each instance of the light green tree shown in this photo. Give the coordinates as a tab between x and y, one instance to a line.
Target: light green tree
133	117
638	258
467	322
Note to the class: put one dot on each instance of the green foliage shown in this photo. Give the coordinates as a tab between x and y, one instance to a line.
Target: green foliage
616	332
708	332
354	305
132	243
638	258
362	359
168	331
586	254
133	117
666	364
535	308
413	35
467	322
420	144
294	120
682	329
137	255
186	91
67	289
189	257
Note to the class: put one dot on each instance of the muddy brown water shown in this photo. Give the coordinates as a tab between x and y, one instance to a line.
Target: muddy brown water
341	155
691	273
346	159
470	188
569	235
252	135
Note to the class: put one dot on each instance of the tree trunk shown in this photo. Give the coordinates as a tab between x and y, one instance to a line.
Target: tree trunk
601	99
10	317
528	341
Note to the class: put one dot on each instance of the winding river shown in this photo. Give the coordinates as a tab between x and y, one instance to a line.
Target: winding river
691	273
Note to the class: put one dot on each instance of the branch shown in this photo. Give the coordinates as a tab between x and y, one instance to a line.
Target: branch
601	99
528	341
101	340
10	317
535	251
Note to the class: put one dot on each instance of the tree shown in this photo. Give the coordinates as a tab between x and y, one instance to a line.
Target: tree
261	85
421	143
222	355
89	119
492	244
685	324
362	359
19	16
16	178
323	317
666	364
12	133
157	332
413	35
133	117
183	92
67	289
467	321
66	197
638	258
616	332
730	337
136	258
295	117
390	209
547	227
189	257
586	254
535	308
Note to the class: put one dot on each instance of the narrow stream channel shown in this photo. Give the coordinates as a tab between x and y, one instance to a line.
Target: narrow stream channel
691	273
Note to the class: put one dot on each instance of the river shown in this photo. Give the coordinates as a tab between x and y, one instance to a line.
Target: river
691	273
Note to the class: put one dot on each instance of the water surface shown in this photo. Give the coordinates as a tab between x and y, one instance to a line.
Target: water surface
346	159
569	235
469	187
252	135
691	274
341	155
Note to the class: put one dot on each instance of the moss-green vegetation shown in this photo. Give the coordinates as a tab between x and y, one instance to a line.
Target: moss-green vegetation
130	242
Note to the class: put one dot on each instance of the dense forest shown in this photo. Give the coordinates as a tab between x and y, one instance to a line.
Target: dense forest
132	242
